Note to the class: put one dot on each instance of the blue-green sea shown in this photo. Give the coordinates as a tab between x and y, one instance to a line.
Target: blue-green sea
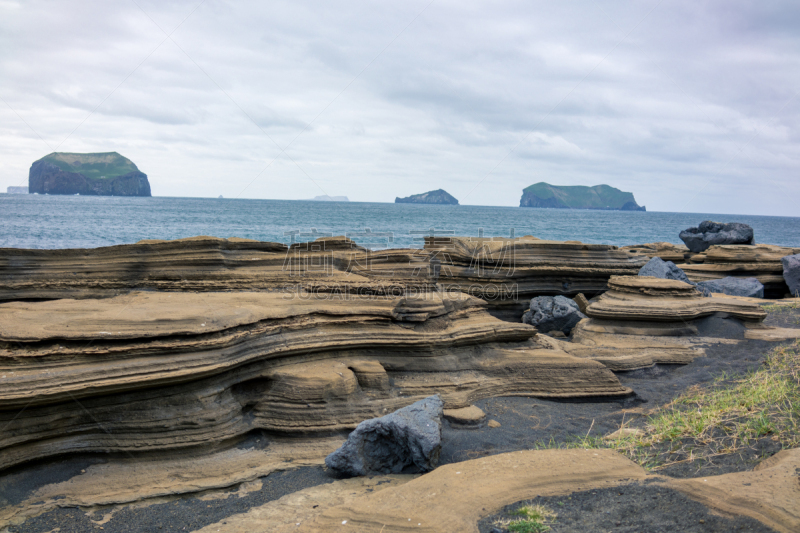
37	221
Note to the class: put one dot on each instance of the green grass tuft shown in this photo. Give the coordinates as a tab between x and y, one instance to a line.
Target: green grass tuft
724	417
535	519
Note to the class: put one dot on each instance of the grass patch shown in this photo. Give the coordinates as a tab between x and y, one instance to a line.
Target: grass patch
534	519
727	416
776	307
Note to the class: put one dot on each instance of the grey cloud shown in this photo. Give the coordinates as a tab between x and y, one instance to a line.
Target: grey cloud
699	94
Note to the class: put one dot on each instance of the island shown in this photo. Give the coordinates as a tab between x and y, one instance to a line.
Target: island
99	174
17	190
326	198
439	197
578	197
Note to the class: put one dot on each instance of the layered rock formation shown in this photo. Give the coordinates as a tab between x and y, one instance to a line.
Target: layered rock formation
328	264
641	321
602	197
507	273
664	250
170	371
106	174
760	261
439	196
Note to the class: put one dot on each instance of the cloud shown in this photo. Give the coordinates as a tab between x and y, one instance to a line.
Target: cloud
693	106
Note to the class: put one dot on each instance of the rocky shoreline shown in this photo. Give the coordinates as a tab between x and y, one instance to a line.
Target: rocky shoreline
170	373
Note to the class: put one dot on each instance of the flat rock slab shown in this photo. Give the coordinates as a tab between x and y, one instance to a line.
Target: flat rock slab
465	415
771	334
161	314
770	493
455	496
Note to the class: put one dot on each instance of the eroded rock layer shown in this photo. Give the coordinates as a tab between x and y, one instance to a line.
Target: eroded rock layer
507	273
644	320
760	261
664	300
209	264
159	371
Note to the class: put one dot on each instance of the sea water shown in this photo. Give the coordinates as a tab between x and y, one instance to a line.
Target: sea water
43	221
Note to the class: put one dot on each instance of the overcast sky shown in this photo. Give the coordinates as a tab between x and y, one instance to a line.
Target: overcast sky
691	105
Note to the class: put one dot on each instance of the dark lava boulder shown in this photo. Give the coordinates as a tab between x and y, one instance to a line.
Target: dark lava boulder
708	233
409	437
439	196
791	273
101	174
553	313
750	287
658	268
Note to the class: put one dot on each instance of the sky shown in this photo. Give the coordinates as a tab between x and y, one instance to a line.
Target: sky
691	105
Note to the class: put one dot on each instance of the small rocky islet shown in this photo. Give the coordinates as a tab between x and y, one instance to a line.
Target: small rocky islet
544	195
194	367
111	174
93	174
602	197
437	197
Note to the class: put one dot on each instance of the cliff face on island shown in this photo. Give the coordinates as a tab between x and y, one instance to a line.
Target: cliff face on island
102	174
578	197
439	196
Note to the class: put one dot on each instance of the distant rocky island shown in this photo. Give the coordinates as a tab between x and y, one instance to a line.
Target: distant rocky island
578	197
326	198
100	174
17	190
439	196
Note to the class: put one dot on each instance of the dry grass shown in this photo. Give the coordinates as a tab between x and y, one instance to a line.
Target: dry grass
725	417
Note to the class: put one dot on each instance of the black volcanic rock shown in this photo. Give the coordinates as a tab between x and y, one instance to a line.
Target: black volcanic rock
791	273
439	196
409	437
103	174
708	233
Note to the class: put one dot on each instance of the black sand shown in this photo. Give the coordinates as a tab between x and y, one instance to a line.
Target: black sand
635	508
182	514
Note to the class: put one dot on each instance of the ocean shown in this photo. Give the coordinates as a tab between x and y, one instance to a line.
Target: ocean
36	221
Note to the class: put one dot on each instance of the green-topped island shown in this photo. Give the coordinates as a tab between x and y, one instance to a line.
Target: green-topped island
100	174
578	197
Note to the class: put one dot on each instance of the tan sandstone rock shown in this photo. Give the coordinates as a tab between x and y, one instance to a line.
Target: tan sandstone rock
168	371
